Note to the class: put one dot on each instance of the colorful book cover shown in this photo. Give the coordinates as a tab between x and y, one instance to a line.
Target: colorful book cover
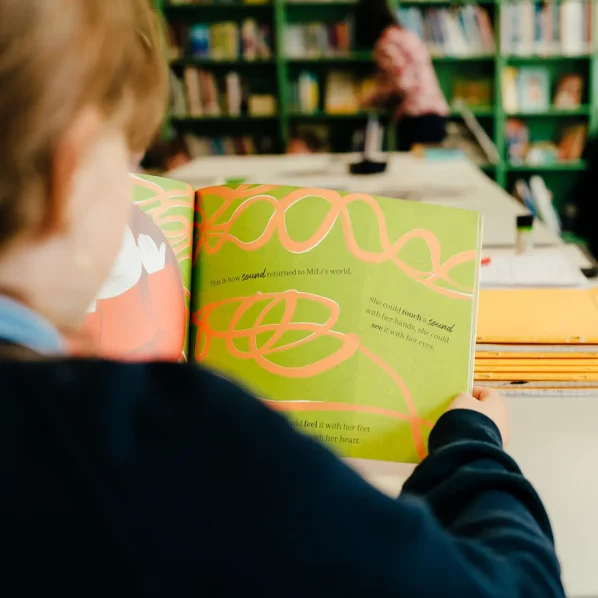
509	89
568	92
533	89
142	310
353	315
517	141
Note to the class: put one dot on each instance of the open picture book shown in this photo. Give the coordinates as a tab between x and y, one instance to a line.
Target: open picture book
354	315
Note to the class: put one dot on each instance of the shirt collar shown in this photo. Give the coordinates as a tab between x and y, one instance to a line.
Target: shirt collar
22	326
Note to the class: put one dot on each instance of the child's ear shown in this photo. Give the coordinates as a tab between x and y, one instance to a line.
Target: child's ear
69	155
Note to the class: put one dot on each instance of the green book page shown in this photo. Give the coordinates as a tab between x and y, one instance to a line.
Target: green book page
353	315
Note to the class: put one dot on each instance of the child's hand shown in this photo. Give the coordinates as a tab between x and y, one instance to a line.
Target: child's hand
491	404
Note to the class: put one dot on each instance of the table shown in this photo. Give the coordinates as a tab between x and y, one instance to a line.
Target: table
554	440
455	183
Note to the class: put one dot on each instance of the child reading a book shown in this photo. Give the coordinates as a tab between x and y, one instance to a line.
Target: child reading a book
164	479
405	75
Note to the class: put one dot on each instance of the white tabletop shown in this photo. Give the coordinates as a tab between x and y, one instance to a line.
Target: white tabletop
554	440
457	183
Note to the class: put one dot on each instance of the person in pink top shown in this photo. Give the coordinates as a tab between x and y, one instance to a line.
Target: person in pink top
406	76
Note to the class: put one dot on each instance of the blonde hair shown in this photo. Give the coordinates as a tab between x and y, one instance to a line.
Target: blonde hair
56	57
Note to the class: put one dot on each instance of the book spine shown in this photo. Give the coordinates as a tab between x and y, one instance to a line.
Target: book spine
485	26
517	25
556	28
508	29
233	94
192	89
249	39
436	32
527	28
538	29
589	22
546	30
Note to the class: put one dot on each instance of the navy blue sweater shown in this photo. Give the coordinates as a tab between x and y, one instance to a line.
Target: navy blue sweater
164	480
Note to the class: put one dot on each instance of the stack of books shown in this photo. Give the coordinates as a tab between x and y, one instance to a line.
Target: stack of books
228	146
527	89
538	340
200	94
315	40
344	92
475	92
211	2
464	31
550	28
222	41
525	147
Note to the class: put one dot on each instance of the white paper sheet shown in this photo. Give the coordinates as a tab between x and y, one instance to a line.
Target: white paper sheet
546	269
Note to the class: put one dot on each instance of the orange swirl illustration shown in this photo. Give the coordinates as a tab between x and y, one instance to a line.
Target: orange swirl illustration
350	345
176	227
212	235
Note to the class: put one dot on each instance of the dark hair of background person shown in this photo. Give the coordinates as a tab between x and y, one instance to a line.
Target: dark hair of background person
372	17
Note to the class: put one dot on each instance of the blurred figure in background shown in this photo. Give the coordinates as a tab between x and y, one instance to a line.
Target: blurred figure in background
406	76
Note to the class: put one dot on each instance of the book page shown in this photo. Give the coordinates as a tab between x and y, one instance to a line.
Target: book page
353	315
142	310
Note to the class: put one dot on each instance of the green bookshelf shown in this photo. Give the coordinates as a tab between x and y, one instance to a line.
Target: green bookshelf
276	74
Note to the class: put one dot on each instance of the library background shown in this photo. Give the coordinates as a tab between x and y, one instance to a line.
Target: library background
250	76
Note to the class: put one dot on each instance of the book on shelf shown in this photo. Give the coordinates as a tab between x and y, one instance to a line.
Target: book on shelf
523	149
509	89
318	39
292	293
473	91
527	89
533	89
215	2
458	31
304	93
346	91
547	28
569	91
179	105
229	40
204	95
261	104
517	139
572	142
201	146
316	137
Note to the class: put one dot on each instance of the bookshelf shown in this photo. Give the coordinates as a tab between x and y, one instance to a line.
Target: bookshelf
277	75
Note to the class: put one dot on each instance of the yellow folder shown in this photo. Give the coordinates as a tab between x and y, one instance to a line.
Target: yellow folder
534	362
514	369
508	354
551	316
545	376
